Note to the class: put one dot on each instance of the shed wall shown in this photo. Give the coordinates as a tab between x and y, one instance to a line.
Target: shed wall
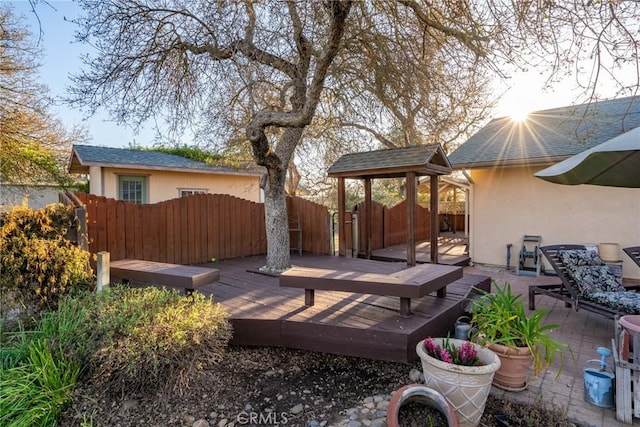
166	185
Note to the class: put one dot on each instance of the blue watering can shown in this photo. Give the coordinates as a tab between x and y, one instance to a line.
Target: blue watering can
463	328
598	383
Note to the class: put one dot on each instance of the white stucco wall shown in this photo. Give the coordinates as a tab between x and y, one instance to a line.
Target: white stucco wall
165	185
35	197
507	203
95	181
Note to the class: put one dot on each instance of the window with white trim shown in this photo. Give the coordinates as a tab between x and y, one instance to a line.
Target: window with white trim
132	188
191	191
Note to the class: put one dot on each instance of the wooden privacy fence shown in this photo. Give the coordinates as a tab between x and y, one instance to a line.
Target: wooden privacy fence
396	223
377	225
193	229
315	223
77	234
389	225
455	222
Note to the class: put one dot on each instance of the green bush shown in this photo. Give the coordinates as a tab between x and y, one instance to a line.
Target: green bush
122	339
40	368
152	338
37	262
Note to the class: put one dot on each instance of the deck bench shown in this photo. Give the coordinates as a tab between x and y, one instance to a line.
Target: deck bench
187	277
413	282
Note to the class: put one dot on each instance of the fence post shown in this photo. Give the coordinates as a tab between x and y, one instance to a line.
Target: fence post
103	275
83	240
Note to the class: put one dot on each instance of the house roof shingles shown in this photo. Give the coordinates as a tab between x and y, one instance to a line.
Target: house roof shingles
547	135
84	156
395	162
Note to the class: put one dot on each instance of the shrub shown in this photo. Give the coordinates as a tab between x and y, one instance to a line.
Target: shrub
125	340
37	261
47	223
149	338
39	369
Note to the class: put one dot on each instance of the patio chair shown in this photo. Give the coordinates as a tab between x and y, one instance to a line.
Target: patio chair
634	253
586	283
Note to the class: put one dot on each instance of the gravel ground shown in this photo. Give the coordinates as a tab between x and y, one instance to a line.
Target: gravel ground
273	386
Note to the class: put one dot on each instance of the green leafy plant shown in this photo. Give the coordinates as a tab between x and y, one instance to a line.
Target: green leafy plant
39	369
122	338
501	318
37	262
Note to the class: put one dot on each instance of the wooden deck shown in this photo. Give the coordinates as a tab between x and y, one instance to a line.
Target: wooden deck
451	251
265	314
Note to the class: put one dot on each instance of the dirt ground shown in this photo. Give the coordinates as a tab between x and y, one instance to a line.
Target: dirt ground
301	388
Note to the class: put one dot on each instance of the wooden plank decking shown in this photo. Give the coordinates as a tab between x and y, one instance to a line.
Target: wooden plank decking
354	324
451	251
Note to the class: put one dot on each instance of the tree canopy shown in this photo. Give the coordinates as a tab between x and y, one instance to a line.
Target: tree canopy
405	71
34	146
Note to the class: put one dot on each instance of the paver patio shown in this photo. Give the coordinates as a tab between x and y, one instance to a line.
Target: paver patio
583	331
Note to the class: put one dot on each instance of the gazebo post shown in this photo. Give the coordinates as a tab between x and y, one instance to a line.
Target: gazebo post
455	202
433	191
368	216
342	237
411	218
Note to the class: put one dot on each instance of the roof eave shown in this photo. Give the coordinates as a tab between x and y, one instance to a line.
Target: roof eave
439	150
84	168
540	161
391	172
75	166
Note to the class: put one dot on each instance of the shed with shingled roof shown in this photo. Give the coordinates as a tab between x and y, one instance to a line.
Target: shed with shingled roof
160	176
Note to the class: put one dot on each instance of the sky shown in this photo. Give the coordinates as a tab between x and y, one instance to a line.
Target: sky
524	92
61	58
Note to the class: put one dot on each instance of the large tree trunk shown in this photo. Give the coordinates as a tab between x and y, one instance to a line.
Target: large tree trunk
275	201
276	221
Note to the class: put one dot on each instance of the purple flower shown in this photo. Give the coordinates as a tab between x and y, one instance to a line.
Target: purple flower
430	346
445	356
465	354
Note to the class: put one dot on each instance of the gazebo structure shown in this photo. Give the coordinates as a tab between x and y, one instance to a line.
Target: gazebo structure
409	162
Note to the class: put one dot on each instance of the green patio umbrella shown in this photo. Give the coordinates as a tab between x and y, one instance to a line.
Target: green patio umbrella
615	163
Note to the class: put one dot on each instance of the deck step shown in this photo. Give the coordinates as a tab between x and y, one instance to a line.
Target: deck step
160	273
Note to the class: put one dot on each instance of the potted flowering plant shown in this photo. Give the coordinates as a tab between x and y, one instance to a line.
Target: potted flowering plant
460	370
465	354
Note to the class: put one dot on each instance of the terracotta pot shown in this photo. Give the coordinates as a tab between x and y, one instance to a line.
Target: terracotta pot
423	394
466	388
516	363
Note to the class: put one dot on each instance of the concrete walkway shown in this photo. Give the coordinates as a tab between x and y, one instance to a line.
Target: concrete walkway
584	332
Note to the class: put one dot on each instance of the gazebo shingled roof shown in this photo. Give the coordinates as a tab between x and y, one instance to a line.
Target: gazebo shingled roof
408	162
392	163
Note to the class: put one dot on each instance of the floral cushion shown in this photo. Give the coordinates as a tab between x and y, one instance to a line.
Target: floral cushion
627	302
577	257
595	278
